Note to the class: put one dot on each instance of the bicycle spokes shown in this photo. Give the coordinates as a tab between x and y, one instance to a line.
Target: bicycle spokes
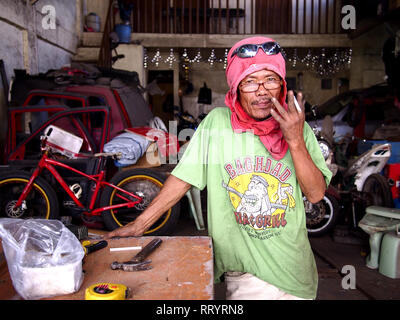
35	204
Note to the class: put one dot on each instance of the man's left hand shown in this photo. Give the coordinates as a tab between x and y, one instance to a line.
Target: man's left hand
291	121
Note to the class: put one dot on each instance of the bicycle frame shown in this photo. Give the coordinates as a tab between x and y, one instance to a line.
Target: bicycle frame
47	163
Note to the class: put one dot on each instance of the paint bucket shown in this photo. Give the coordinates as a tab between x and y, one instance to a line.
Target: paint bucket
124	32
93	22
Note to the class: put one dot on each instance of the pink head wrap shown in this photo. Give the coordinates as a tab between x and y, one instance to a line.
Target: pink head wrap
239	68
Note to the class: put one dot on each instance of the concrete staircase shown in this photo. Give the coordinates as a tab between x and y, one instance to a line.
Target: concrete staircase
89	50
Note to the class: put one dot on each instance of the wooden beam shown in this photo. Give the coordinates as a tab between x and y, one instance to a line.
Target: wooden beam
93	39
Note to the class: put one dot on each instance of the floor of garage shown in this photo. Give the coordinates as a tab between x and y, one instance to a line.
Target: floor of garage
331	256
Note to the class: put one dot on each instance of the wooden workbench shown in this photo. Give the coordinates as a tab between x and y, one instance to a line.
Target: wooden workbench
182	270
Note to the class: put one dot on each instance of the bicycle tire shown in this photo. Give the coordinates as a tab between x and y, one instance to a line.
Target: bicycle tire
147	184
41	202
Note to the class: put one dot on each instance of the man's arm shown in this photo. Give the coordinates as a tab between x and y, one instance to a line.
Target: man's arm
311	180
172	191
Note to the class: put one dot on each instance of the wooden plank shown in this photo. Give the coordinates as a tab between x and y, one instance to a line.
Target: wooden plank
93	39
297	16
304	17
168	22
319	16
237	16
206	25
327	16
145	22
212	26
153	16
219	16
182	270
227	17
312	16
182	17
160	19
190	17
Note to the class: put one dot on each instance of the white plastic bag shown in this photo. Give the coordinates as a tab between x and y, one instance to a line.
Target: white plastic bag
44	257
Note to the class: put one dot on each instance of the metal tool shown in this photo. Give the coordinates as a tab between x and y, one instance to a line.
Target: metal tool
90	247
137	263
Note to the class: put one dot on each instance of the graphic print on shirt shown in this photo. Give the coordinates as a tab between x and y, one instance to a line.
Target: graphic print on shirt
259	193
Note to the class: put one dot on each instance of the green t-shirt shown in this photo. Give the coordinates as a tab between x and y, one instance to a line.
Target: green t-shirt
256	215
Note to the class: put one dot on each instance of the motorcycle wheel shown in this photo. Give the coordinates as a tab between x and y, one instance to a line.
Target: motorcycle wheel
41	201
321	217
377	191
146	184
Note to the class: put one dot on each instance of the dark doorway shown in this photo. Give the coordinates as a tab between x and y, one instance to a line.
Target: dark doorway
163	105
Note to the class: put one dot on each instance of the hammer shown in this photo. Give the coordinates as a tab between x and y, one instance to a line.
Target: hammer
137	263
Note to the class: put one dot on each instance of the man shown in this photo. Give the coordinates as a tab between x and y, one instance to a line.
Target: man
257	147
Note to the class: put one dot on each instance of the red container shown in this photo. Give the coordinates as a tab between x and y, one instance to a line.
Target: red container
392	171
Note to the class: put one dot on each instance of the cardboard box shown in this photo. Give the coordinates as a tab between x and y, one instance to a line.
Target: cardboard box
150	159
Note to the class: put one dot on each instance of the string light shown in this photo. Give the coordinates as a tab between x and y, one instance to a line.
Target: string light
323	62
185	63
157	58
212	58
171	58
198	58
226	59
145	59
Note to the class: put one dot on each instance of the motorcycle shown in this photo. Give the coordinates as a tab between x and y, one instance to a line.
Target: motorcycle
321	217
355	184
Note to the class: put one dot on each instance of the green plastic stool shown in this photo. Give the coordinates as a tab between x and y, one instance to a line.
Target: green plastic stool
376	222
389	260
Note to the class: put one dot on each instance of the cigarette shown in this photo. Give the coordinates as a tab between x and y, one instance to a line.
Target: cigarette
296	104
125	249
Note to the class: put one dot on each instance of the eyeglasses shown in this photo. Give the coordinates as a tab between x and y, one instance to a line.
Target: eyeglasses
250	50
252	86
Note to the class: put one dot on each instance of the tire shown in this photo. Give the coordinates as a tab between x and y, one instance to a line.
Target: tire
377	191
41	202
321	217
146	184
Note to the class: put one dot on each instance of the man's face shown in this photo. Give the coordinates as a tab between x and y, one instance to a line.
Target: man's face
258	104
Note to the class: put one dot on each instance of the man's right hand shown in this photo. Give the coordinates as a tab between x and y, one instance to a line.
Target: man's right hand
172	191
132	229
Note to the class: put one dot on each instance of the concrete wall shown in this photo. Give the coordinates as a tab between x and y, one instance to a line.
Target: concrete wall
26	44
367	66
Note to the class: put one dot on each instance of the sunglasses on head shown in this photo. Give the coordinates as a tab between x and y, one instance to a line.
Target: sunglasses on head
250	50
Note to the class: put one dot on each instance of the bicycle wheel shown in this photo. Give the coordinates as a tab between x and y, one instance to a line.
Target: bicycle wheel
41	201
146	184
377	191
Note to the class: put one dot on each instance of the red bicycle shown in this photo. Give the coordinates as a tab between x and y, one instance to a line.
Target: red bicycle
117	202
